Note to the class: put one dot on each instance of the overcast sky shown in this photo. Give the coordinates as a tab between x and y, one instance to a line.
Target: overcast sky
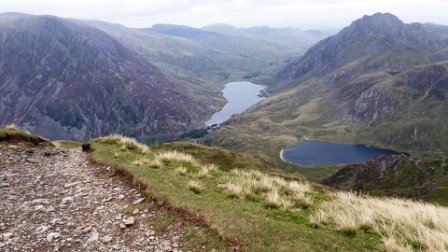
305	14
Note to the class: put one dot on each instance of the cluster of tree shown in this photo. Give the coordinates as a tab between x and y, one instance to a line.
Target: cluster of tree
195	133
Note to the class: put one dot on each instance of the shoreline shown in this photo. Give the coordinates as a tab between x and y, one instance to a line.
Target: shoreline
281	155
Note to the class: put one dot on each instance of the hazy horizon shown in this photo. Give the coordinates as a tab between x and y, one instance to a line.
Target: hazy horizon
303	14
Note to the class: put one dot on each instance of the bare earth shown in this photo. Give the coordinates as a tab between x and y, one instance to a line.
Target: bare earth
51	199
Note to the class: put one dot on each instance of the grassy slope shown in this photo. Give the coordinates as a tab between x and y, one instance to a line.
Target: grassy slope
13	135
256	227
308	112
419	178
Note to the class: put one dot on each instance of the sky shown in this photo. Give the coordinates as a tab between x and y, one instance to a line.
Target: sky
304	14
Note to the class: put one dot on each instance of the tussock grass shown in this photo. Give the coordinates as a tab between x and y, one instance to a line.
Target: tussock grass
142	161
11	126
405	225
181	170
275	191
177	156
206	169
126	143
195	186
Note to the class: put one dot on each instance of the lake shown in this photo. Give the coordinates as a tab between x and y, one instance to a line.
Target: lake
312	152
240	96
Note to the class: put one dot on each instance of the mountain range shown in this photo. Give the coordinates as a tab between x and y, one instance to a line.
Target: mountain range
378	81
287	36
76	79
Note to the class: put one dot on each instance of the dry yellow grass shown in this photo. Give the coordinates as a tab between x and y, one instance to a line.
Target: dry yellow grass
142	161
181	170
177	156
10	126
405	225
195	186
206	169
127	143
276	191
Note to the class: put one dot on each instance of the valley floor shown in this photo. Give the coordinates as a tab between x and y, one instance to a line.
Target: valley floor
51	199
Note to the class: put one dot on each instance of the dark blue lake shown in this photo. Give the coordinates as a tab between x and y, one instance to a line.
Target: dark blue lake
312	152
240	96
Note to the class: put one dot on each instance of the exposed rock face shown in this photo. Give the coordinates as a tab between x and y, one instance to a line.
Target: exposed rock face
365	62
431	81
373	104
373	43
62	79
396	175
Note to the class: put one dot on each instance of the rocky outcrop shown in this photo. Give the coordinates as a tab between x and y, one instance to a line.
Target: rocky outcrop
372	104
62	79
380	42
430	81
399	175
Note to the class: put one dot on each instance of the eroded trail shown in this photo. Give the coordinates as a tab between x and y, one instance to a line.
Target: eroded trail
51	199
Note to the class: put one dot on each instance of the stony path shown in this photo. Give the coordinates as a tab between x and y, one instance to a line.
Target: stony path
53	200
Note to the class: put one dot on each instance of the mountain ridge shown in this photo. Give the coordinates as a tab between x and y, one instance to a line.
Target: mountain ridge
56	96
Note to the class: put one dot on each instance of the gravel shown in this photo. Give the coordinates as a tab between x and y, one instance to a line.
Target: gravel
52	199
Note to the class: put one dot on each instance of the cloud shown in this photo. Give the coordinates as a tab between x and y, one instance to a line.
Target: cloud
301	13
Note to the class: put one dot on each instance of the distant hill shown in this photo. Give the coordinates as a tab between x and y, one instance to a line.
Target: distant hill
62	79
292	38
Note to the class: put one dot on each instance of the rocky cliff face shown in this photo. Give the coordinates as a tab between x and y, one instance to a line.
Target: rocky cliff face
62	79
361	62
375	43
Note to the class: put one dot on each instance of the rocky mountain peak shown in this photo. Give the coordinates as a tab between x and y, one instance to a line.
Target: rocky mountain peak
374	25
381	21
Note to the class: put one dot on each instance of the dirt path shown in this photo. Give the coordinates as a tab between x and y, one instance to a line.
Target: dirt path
52	200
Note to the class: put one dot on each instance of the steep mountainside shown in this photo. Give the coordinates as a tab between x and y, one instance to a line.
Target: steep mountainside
236	54
202	63
378	43
421	178
379	82
62	79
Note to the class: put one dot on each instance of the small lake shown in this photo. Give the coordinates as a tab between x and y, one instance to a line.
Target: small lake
240	96
312	152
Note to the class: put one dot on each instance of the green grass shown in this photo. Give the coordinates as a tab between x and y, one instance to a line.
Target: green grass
68	144
316	174
13	135
249	221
